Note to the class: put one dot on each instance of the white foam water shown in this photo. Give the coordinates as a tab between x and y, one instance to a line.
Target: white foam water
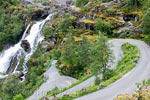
34	37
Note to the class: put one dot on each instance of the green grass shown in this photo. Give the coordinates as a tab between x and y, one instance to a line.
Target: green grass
131	56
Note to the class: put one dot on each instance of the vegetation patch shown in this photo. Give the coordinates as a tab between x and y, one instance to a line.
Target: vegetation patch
130	59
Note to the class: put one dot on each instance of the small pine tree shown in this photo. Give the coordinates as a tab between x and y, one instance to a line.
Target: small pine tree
147	5
83	51
146	22
69	50
66	23
99	55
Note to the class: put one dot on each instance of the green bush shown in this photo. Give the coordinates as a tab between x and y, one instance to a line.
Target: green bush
66	23
102	26
11	23
81	3
97	81
108	74
18	97
132	4
48	31
146	22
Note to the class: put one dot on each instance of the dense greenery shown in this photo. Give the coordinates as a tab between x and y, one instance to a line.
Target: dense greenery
131	55
11	22
10	87
132	4
85	55
103	26
81	3
66	23
146	22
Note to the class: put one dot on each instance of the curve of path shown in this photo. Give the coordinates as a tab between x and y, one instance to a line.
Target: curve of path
126	84
118	54
53	80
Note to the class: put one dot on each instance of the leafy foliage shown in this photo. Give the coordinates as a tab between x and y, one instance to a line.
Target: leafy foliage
103	26
11	23
132	4
66	23
11	87
145	22
79	57
18	97
81	3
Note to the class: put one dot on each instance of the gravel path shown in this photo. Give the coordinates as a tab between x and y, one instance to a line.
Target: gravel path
127	84
53	80
118	54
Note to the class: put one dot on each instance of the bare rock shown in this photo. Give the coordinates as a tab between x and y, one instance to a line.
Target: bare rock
26	45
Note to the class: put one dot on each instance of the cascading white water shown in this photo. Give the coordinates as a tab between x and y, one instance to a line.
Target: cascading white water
33	38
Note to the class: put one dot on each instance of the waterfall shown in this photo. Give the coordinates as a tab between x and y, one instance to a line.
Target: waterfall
34	38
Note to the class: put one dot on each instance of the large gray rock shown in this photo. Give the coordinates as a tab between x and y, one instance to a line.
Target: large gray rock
26	45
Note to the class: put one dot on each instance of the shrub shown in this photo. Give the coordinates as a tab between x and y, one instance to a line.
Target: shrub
145	22
97	81
66	23
102	26
108	74
132	4
18	97
81	3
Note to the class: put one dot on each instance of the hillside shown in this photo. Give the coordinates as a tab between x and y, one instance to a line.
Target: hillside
76	33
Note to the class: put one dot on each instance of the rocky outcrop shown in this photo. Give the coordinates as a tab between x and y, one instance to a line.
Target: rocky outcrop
130	17
26	45
97	10
48	45
39	14
82	25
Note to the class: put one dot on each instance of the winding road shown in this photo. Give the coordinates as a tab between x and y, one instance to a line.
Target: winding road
126	84
53	80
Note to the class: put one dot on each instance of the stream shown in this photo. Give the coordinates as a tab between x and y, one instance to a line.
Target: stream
33	37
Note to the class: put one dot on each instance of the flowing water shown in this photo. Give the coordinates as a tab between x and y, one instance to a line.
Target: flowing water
34	37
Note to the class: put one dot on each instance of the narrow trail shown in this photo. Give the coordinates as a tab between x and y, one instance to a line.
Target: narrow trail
126	84
53	80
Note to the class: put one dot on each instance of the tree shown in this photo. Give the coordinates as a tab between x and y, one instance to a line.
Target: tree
83	53
66	23
99	55
145	22
69	50
147	5
11	87
132	4
102	26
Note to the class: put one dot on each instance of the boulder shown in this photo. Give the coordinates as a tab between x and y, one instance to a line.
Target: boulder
97	10
82	25
26	46
130	17
39	14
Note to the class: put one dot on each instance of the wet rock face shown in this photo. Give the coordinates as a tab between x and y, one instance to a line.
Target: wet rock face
81	25
97	10
130	17
41	13
12	65
25	45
